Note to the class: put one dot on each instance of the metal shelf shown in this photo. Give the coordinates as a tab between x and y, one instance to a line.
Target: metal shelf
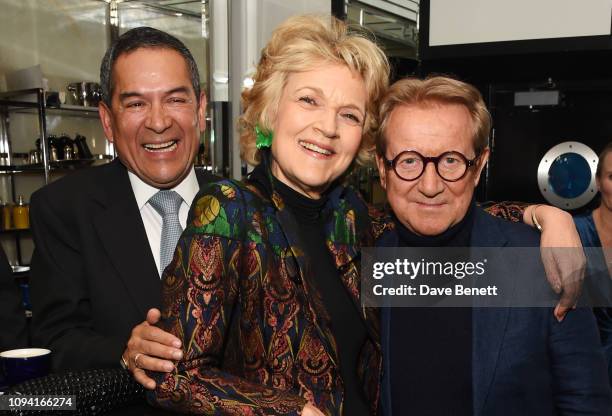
34	101
15	231
27	101
60	166
65	110
8	169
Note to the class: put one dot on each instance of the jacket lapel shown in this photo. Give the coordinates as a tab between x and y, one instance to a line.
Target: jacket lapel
489	324
347	232
123	236
289	228
204	177
342	241
489	327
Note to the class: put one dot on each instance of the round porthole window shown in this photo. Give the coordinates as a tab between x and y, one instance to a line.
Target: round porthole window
566	175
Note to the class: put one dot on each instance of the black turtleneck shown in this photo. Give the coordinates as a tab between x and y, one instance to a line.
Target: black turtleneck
431	348
346	324
456	236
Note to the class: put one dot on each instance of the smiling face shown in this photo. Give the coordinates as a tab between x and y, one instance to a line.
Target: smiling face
604	181
154	120
318	127
430	205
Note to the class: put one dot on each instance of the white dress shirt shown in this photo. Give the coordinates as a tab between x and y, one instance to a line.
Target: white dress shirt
187	189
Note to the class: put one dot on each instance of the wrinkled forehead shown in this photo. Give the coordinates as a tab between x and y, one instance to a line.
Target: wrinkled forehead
315	77
150	64
430	128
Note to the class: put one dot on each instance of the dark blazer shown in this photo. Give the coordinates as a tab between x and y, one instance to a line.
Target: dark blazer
523	361
13	331
93	276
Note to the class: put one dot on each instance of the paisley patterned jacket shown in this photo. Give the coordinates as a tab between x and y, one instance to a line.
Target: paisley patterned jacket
256	337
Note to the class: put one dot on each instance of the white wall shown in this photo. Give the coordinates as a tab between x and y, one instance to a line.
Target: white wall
67	38
274	12
252	23
472	21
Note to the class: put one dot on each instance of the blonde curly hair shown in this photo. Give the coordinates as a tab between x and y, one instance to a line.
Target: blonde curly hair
299	44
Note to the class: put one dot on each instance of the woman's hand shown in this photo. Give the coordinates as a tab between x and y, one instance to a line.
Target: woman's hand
562	254
151	348
310	410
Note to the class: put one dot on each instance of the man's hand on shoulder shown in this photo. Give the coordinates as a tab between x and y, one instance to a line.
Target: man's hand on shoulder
151	348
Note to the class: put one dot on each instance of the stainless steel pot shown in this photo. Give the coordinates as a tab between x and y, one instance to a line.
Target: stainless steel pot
85	93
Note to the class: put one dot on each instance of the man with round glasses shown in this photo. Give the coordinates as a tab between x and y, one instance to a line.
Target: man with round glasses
431	197
465	361
410	165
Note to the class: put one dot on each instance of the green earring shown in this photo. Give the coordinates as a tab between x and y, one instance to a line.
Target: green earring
263	139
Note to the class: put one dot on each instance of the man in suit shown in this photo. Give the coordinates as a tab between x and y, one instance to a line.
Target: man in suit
103	235
470	360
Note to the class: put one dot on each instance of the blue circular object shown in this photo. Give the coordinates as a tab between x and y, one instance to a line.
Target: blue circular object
564	172
569	175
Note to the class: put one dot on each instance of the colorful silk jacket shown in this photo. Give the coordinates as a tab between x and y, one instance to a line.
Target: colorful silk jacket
256	337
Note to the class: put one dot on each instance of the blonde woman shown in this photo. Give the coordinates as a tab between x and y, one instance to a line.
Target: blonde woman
263	289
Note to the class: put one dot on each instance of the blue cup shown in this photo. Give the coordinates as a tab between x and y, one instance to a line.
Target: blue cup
24	364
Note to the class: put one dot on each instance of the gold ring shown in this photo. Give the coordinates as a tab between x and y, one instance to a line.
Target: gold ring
136	357
124	364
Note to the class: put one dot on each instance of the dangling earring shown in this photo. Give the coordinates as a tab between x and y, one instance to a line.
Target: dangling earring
263	139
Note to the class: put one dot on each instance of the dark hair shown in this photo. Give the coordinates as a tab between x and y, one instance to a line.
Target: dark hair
602	156
143	37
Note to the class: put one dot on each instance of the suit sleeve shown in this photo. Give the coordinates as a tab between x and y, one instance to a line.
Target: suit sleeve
13	331
579	368
210	291
61	311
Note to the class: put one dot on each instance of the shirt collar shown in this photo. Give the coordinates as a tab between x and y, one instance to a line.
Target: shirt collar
187	189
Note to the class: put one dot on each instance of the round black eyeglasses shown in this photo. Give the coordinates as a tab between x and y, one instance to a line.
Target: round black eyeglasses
410	165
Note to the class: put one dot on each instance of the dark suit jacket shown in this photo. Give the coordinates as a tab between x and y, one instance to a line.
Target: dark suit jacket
523	361
13	331
93	275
